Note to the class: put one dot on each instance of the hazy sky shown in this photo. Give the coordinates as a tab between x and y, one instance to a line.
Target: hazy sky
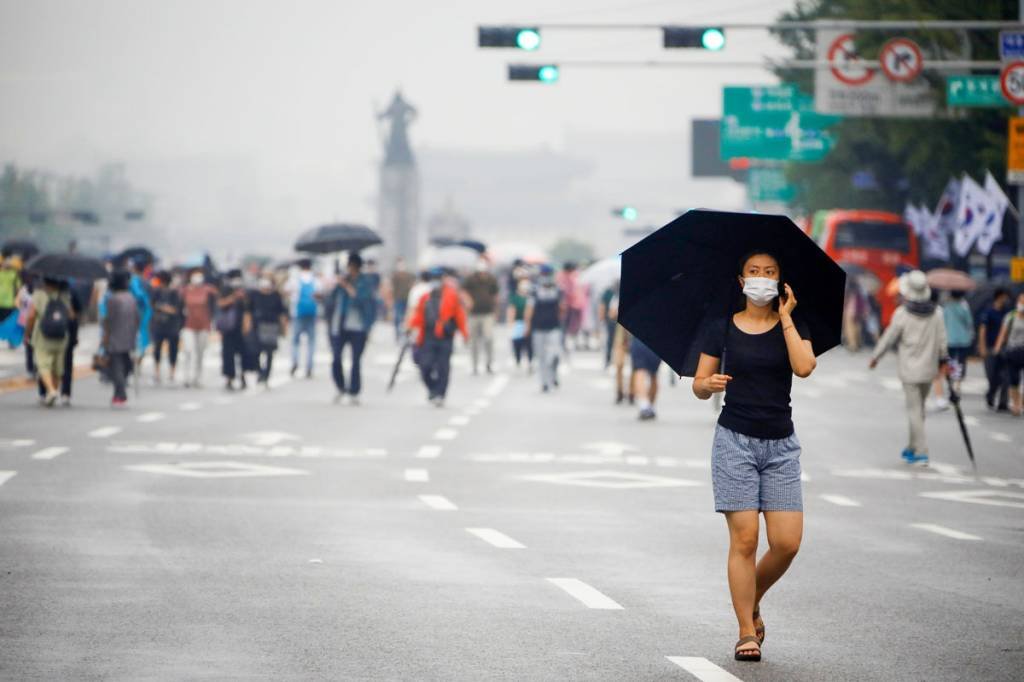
290	87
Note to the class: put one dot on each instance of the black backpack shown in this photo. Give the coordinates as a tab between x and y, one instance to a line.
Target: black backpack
56	320
432	314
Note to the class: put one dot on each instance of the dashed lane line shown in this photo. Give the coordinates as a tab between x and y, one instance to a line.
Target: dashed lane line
703	669
6	476
458	420
1000	437
429	452
942	530
22	442
482	403
445	434
497	385
589	596
496	538
840	500
190	407
149	417
105	432
438	502
417	475
50	453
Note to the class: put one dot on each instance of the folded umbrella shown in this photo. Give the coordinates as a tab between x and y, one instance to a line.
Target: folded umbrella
67	266
337	237
954	398
677	280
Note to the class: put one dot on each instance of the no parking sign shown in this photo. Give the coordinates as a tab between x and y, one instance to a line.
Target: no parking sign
1012	82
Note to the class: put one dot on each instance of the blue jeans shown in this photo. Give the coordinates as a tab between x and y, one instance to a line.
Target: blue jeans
401	308
358	342
307	326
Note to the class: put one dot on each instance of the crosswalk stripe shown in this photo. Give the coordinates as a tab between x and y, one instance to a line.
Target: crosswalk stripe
840	500
417	475
445	434
150	417
105	432
496	538
590	596
6	476
438	502
189	407
1000	437
942	530
50	453
703	669
429	452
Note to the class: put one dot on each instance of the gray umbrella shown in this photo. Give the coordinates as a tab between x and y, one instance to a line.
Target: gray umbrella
67	266
337	237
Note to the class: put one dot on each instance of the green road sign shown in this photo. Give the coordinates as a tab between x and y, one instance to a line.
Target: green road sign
974	91
769	184
774	122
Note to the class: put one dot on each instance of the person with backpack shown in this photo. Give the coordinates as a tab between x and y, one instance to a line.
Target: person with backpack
303	293
351	312
48	327
120	333
1010	347
198	300
229	322
165	326
437	317
544	314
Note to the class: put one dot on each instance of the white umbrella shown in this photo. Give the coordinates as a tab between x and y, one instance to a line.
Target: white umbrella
506	253
602	274
454	257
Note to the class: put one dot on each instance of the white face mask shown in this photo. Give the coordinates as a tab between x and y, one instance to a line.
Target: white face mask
196	279
760	290
1020	307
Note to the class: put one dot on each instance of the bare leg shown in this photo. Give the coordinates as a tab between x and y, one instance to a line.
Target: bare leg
785	530
743	528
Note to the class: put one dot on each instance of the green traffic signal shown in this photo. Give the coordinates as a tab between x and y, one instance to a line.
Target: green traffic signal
548	74
520	37
630	213
713	39
528	39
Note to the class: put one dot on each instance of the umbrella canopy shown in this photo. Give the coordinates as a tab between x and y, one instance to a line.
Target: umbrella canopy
67	266
454	257
684	275
140	255
22	247
948	279
603	274
337	237
506	253
474	244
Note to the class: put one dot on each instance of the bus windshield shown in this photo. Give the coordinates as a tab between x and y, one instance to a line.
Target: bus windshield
872	235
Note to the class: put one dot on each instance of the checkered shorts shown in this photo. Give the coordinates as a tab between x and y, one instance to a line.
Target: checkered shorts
755	473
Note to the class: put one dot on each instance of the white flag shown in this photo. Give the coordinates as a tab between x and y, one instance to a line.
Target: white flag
946	211
993	231
974	211
934	240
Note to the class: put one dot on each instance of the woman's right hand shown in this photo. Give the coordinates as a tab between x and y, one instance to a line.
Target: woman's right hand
716	383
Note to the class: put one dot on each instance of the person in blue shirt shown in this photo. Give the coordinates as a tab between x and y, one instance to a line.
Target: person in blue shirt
995	368
351	312
959	334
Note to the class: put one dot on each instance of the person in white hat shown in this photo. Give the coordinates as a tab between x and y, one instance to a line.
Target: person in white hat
918	333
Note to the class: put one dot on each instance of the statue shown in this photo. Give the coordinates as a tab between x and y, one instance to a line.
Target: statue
398	208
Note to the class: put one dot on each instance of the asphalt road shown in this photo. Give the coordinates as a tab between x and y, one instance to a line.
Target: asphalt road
508	536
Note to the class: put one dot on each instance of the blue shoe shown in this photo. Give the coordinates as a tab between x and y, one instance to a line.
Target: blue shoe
918	459
907	455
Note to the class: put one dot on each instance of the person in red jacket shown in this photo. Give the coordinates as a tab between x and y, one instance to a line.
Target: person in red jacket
437	317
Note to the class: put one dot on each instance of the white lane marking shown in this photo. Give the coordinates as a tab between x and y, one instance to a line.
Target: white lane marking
216	469
429	452
223	400
482	403
458	420
840	500
590	597
189	407
703	669
496	538
611	479
22	442
472	410
946	469
497	386
971	420
445	434
891	384
942	530
417	475
995	498
50	453
105	432
150	417
1000	437
6	476
278	382
438	502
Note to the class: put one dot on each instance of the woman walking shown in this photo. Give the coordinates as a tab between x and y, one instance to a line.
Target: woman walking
1010	346
752	357
522	344
268	320
120	330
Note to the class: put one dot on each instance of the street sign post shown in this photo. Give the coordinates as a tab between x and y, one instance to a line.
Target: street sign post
1011	81
901	60
777	122
1015	151
974	91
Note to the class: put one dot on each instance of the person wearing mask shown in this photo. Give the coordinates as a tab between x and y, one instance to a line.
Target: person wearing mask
435	321
402	282
303	293
956	314
48	326
120	333
482	290
988	334
351	310
165	325
522	344
918	334
198	300
230	322
1010	345
268	320
544	314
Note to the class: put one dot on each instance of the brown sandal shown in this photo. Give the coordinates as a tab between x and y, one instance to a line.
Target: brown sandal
753	655
758	625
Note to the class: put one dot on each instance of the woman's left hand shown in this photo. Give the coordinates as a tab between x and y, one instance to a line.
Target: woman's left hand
788	303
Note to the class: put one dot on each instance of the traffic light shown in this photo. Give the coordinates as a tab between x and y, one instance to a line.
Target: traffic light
705	37
545	73
521	37
626	213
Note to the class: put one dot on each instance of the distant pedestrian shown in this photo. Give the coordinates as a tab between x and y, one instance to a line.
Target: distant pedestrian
268	321
402	282
755	459
855	310
522	342
140	292
120	328
645	363
77	311
199	300
165	326
995	366
229	320
10	283
438	316
49	326
574	301
918	334
607	319
1010	345
544	314
351	312
959	321
482	289
25	308
303	295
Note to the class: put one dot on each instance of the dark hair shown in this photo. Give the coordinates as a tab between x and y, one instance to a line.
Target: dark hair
956	294
355	260
1001	291
778	263
119	280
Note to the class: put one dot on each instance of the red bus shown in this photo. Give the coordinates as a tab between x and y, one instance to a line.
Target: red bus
873	246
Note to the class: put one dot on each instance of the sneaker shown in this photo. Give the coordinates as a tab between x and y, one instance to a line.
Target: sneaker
647	414
545	388
907	455
309	374
65	400
51	399
620	397
338	398
919	459
295	368
118	402
353	400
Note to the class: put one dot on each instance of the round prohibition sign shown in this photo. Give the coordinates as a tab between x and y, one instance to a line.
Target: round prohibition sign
1011	81
901	60
850	68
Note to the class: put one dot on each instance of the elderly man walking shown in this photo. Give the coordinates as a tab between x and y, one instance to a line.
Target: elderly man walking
918	333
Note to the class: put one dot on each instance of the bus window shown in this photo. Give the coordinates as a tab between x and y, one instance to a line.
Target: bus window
872	235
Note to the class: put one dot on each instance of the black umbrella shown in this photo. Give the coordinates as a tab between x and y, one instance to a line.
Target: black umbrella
22	247
684	275
337	237
398	365
140	255
67	266
954	398
474	244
